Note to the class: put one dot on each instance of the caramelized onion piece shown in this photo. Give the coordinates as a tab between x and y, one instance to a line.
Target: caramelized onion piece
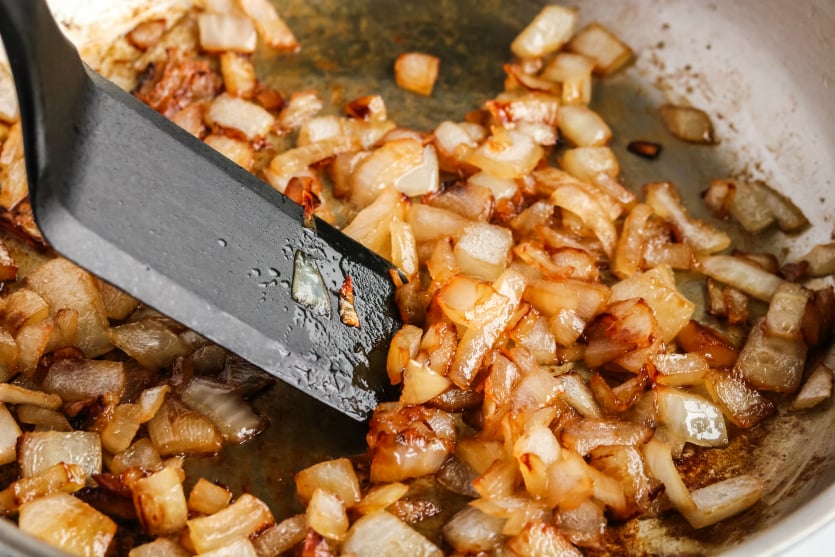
688	124
417	72
67	523
408	441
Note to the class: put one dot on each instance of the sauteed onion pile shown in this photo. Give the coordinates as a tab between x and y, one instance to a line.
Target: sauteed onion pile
552	372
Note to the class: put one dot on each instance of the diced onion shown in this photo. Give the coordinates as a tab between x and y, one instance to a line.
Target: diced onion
38	451
150	342
9	432
583	127
417	72
240	115
277	539
548	31
724	499
160	502
382	534
508	154
222	32
689	124
599	44
690	417
665	202
66	522
233	417
333	476
472	531
771	363
175	429
77	379
740	403
246	516
270	25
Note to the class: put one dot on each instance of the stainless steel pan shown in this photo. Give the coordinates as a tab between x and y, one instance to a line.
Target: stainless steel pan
763	69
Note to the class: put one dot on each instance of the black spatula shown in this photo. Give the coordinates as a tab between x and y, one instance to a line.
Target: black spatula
128	195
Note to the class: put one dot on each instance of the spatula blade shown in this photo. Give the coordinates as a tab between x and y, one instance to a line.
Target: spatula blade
154	211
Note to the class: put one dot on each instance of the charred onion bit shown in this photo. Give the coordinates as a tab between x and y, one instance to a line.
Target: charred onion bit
347	311
646	149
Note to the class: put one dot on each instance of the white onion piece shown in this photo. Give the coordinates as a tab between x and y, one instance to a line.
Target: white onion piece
239	152
64	285
13	168
239	547
741	274
208	498
318	129
690	417
141	454
573	72
482	250
451	138
301	107
421	384
238	114
658	289
507	154
149	342
664	200
548	31
246	516
771	363
583	436
66	522
326	515
372	225
295	162
175	429
393	161
574	199
308	286
431	223
576	392
76	380
223	32
333	476
472	531
786	310
233	417
821	260
160	502
816	389
599	44
660	462
8	99
678	370
688	124
9	432
165	547
381	534
40	450
270	25
501	188
541	539
724	499
416	72
583	127
15	394
277	539
422	179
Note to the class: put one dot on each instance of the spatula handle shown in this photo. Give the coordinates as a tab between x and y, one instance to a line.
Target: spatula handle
49	78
